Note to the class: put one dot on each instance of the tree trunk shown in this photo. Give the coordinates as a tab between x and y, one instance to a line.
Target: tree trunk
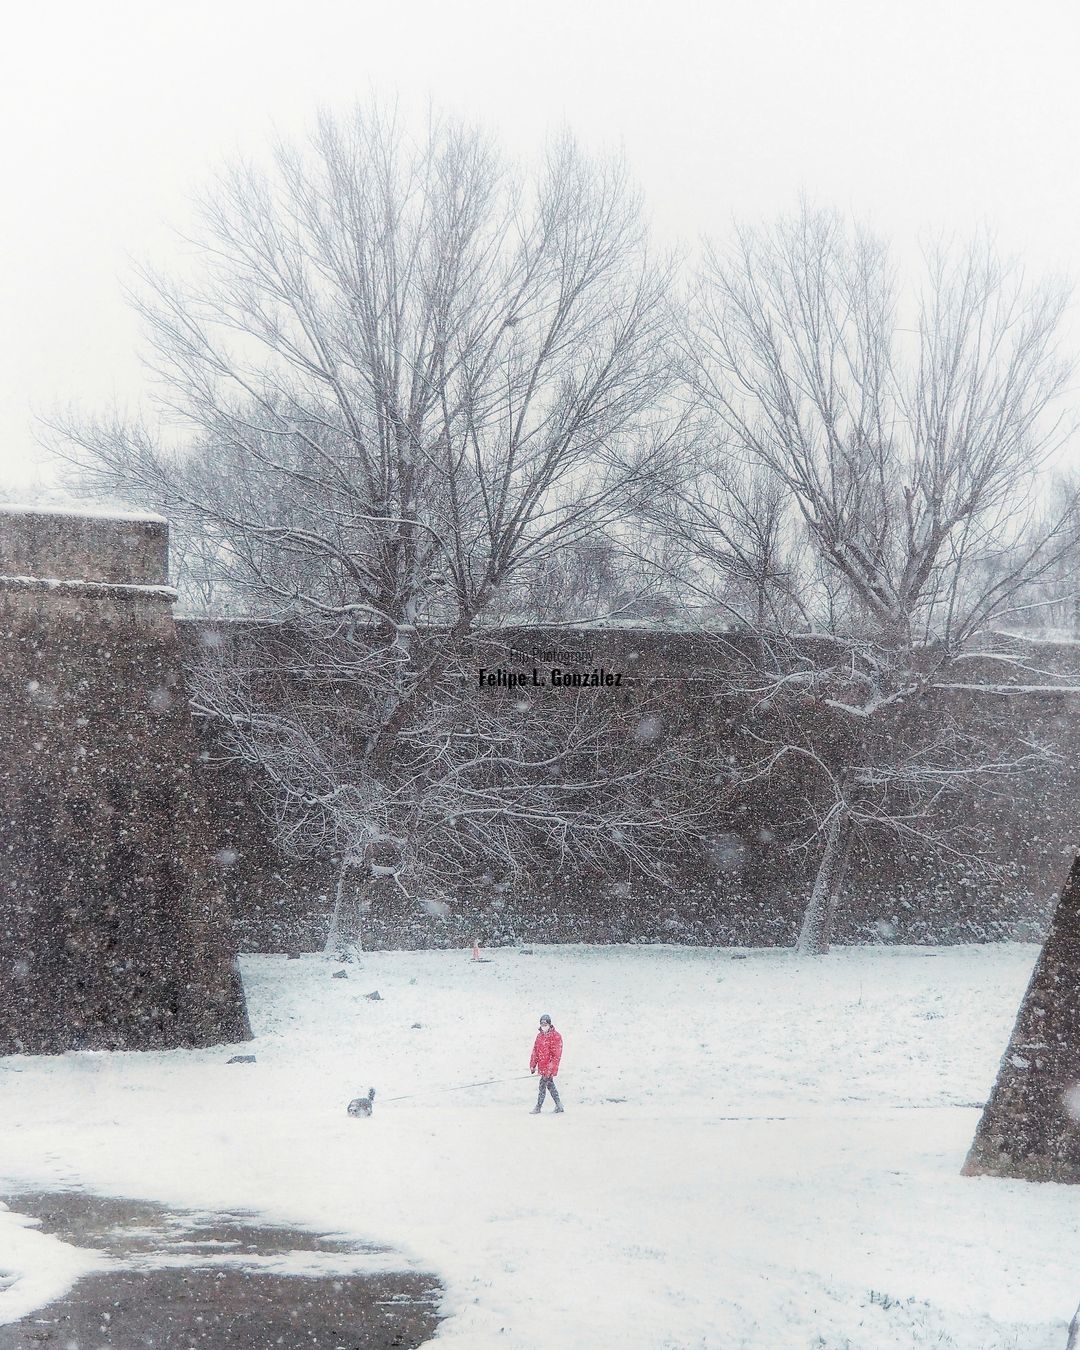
817	922
405	702
345	922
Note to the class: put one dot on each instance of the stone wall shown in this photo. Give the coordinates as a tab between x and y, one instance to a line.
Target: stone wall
113	928
123	549
746	884
133	856
1028	1129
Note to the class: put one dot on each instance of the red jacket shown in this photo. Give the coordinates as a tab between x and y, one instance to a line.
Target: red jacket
547	1051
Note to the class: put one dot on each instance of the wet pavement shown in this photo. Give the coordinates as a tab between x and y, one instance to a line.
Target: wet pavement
195	1281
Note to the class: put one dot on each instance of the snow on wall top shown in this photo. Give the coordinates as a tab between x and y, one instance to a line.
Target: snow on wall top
85	510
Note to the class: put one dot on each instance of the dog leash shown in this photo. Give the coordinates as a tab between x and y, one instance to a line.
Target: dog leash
460	1087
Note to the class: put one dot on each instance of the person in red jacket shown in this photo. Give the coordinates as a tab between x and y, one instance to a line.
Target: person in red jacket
546	1054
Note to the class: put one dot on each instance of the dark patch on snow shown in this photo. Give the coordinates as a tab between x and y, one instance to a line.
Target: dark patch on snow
214	1299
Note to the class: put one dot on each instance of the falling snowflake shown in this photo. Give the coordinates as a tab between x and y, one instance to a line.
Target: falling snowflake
647	729
161	699
725	853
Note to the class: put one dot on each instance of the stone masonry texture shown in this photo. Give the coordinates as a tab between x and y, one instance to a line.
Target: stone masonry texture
114	932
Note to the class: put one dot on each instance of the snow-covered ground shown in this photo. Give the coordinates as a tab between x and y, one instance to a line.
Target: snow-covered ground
756	1152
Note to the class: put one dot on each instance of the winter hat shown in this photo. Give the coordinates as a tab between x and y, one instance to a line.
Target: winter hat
545	1018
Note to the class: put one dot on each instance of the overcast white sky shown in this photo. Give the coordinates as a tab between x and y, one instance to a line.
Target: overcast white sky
946	115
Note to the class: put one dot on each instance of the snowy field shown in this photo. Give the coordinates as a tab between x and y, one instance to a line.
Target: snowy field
756	1152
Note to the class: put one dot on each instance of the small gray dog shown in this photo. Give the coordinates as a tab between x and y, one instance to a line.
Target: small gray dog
363	1106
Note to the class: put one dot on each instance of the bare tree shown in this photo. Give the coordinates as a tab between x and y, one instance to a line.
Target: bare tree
404	379
866	505
1048	608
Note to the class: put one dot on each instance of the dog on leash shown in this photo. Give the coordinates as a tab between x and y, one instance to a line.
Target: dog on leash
363	1106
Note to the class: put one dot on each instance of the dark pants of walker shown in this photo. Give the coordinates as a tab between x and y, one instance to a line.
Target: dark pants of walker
548	1085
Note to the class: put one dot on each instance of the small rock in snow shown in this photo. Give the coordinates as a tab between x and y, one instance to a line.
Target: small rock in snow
374	996
242	1059
340	975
